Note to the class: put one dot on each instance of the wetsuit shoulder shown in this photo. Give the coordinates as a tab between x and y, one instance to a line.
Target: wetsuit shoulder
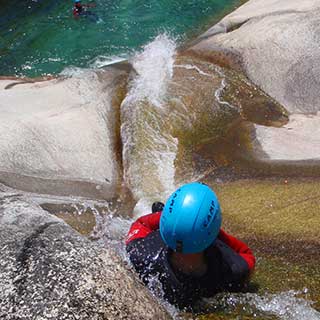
150	258
143	226
77	10
239	247
143	253
231	268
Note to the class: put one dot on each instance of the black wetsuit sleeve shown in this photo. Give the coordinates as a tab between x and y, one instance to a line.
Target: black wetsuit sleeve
135	250
149	259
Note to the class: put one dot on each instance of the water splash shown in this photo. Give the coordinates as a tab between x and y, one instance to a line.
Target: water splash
111	231
149	150
289	305
103	61
285	305
154	67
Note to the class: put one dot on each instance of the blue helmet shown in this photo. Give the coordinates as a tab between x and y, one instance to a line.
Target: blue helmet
191	219
77	1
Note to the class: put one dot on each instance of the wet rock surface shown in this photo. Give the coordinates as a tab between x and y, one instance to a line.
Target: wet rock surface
278	219
207	105
48	271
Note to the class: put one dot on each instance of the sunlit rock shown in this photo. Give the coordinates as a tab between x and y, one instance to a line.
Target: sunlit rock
277	44
297	140
60	136
49	271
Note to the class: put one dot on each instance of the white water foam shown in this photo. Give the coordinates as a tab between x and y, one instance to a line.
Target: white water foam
148	151
103	61
154	67
220	90
192	67
285	305
75	72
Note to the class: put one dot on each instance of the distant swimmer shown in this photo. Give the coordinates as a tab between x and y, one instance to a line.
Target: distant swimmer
79	8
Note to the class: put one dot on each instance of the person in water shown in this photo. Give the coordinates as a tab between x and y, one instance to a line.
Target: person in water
79	8
182	245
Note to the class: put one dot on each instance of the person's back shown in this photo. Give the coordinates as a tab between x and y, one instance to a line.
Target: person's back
221	263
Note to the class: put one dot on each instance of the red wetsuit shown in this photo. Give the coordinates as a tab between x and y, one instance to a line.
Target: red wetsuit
230	263
150	222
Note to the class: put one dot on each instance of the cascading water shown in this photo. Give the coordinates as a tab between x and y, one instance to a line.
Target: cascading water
154	67
169	103
148	151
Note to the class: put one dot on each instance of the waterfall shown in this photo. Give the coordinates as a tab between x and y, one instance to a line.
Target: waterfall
149	150
154	67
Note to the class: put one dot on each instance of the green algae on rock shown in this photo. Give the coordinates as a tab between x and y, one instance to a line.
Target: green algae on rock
208	105
280	220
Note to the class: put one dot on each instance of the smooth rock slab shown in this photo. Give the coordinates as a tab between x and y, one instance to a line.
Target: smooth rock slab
277	43
48	271
298	140
59	136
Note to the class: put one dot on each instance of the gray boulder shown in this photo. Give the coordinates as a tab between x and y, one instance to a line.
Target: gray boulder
60	136
277	43
48	271
298	140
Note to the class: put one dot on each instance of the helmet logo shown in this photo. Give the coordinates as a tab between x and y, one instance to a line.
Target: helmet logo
210	214
172	201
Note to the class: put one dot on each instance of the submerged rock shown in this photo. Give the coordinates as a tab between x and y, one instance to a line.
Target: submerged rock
279	220
48	271
61	136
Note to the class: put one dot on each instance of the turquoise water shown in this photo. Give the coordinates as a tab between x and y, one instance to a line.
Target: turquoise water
40	37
